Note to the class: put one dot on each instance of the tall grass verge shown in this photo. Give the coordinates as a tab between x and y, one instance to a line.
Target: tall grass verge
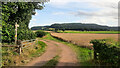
12	58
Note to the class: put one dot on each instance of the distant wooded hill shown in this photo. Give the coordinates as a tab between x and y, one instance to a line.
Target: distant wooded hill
76	26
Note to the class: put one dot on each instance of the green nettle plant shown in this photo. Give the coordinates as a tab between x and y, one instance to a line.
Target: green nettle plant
20	12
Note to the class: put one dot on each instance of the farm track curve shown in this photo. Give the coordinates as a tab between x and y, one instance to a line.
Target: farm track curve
51	51
67	56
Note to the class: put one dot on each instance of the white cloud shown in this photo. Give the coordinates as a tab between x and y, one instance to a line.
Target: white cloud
33	20
63	2
62	22
32	24
38	24
100	21
101	13
58	13
106	15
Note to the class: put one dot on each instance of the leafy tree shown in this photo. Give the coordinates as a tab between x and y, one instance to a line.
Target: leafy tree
20	12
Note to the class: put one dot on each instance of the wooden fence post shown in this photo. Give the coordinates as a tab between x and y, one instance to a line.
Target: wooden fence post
20	49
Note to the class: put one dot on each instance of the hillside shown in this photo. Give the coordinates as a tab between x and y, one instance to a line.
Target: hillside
76	26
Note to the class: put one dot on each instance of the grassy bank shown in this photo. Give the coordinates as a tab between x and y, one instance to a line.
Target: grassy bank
91	32
84	55
11	58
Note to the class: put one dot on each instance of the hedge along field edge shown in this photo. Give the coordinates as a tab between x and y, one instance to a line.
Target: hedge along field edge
106	52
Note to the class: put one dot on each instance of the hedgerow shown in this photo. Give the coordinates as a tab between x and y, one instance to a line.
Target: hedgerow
40	33
26	34
106	51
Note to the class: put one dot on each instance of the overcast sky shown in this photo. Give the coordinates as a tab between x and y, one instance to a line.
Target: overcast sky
102	12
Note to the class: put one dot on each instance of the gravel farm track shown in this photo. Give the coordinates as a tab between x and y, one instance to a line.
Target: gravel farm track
67	56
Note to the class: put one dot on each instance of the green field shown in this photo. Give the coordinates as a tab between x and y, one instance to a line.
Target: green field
91	32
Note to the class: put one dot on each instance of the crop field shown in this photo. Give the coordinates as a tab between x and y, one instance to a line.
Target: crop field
84	39
91	32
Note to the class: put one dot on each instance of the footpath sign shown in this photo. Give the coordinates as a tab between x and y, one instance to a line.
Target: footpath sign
16	25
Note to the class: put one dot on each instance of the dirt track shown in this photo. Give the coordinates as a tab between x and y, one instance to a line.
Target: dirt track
51	51
67	56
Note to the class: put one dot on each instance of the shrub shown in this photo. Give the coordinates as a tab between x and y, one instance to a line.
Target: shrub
40	33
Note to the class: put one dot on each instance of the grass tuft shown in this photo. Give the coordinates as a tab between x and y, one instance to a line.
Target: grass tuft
52	63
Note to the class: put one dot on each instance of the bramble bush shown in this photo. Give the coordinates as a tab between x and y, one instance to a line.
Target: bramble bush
107	51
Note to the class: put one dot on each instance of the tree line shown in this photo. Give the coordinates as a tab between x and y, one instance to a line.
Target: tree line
77	26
